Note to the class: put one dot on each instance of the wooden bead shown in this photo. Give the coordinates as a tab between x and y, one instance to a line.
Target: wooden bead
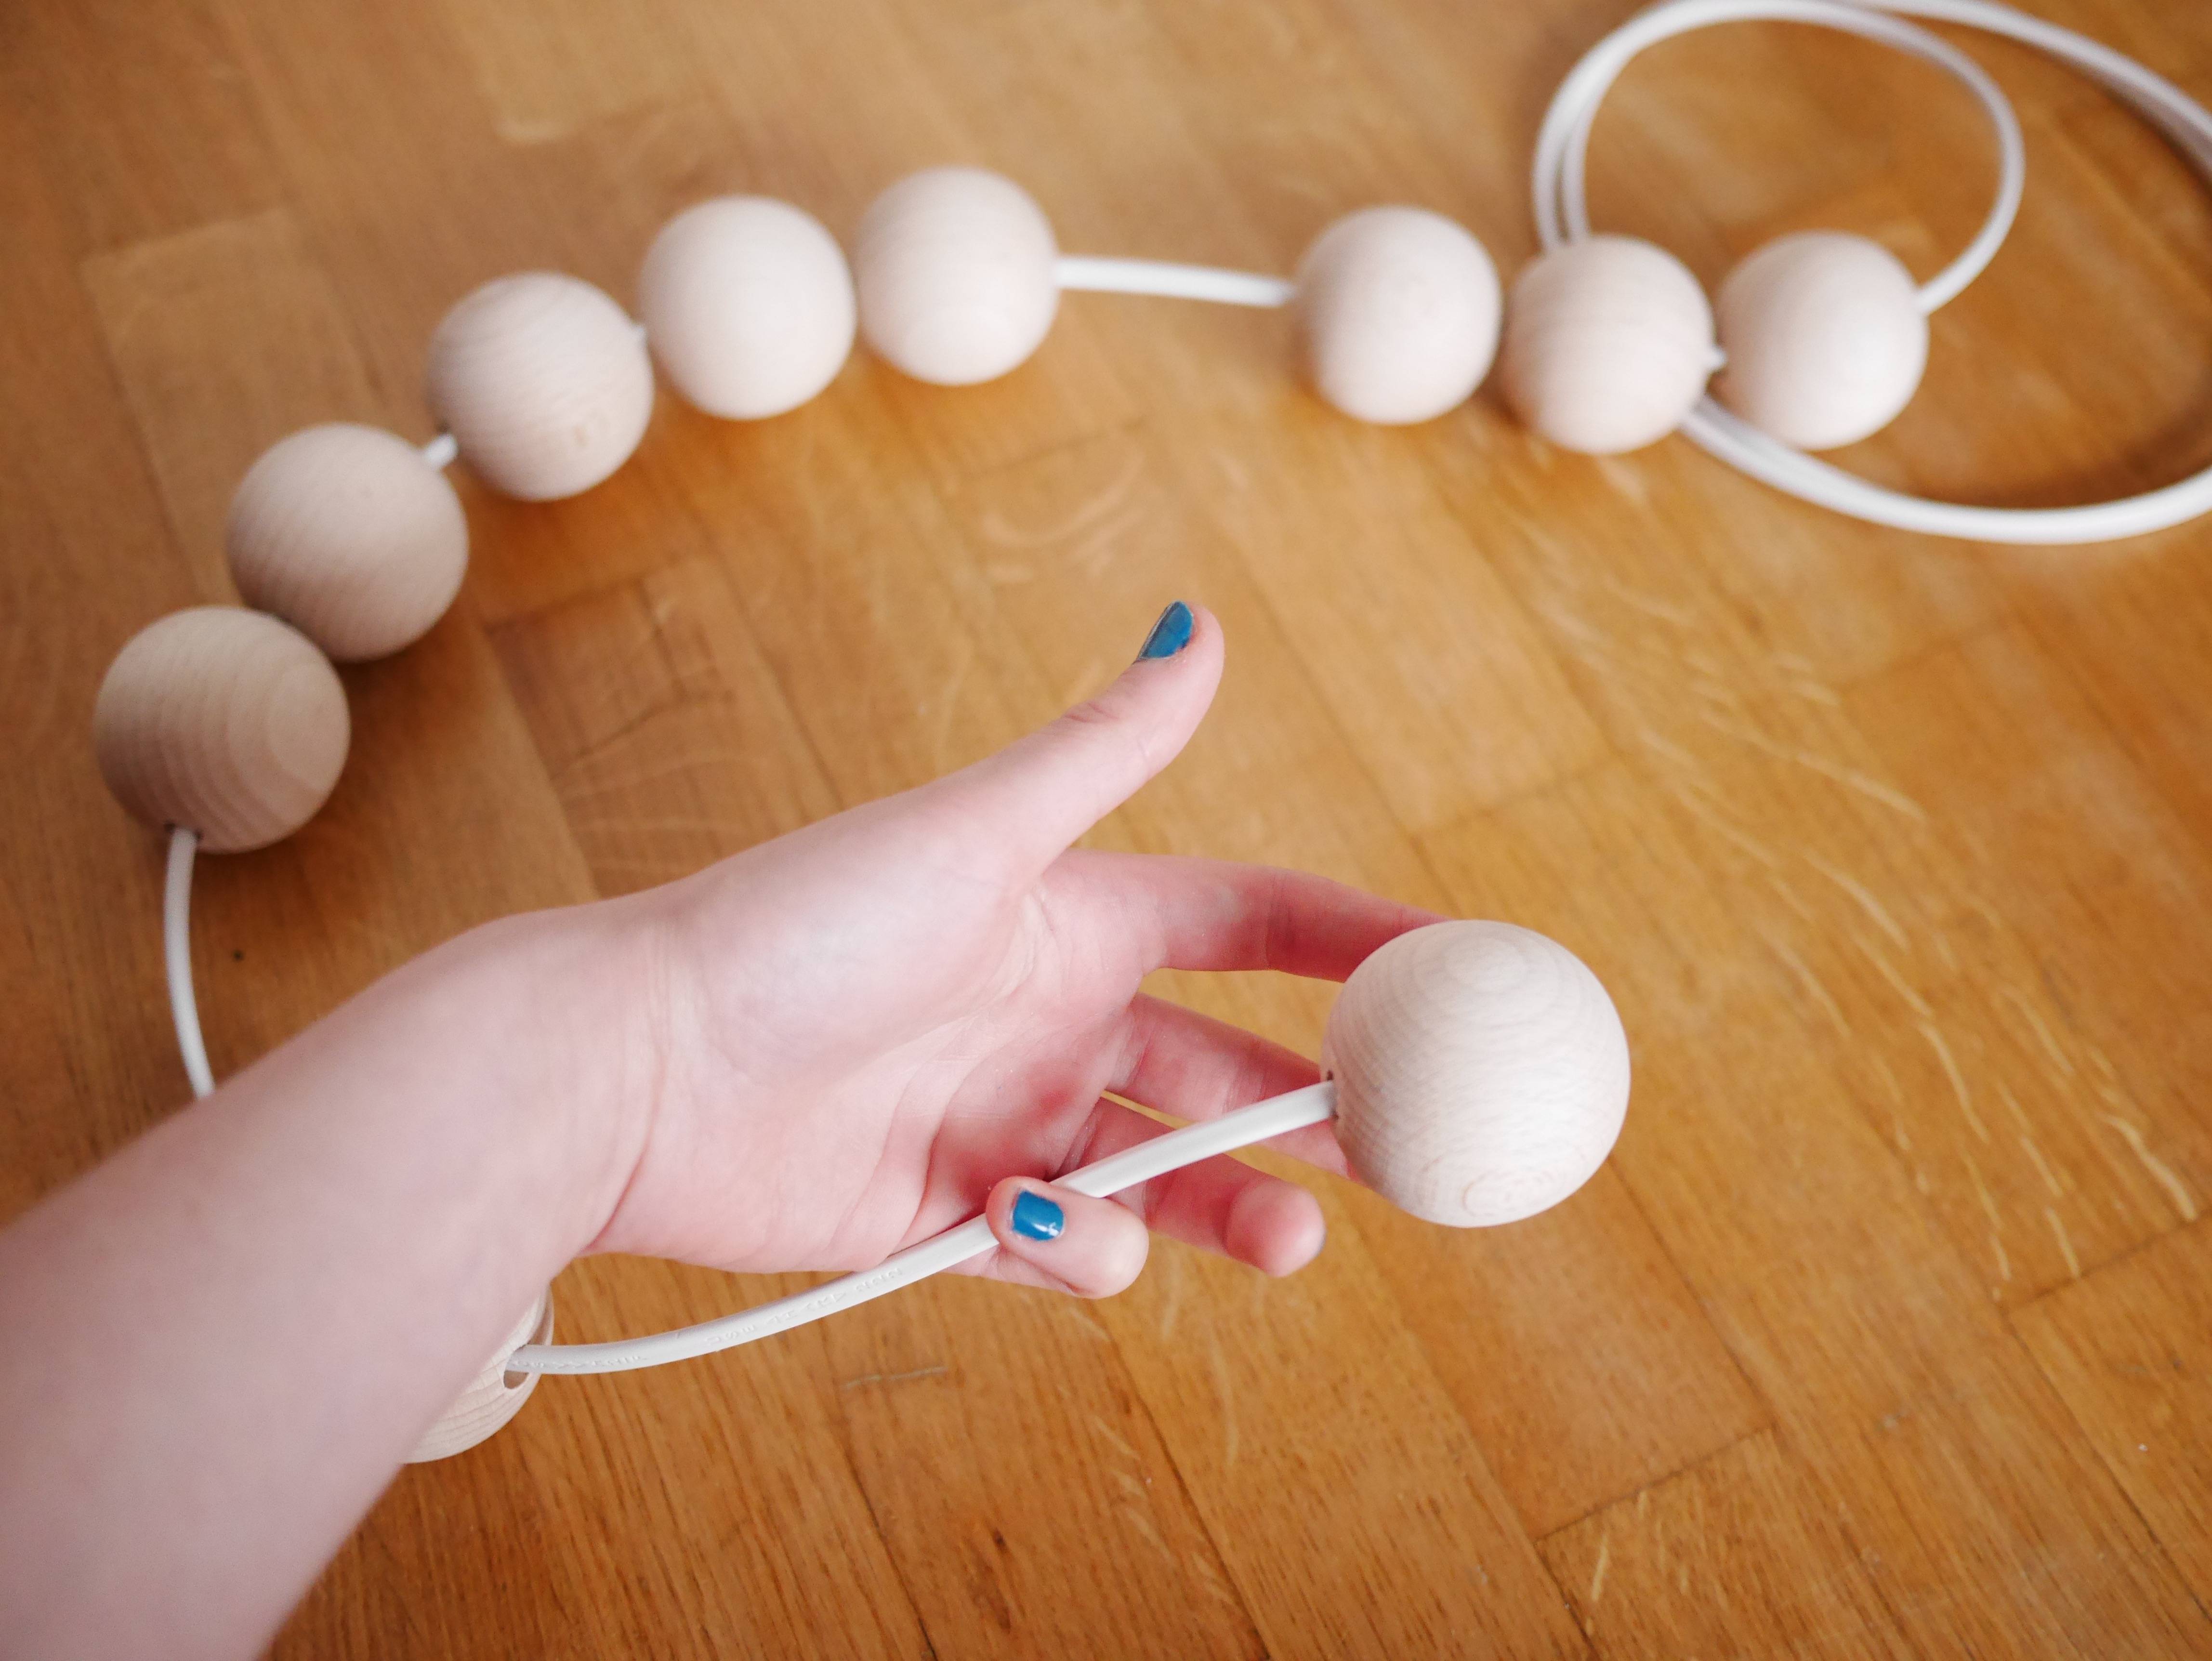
1608	345
748	306
350	536
1481	1073
956	270
1825	338
544	383
224	721
491	1399
1397	313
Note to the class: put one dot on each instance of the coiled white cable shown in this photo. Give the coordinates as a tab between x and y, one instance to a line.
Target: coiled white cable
1562	216
1563	142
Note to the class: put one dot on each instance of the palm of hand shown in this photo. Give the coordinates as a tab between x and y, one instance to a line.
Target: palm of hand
862	1027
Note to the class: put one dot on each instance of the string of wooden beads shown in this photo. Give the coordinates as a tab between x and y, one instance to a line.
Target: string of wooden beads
545	387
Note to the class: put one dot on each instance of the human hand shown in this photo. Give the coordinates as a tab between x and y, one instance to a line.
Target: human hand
854	1032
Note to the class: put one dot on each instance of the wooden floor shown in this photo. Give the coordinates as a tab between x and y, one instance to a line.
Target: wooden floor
1888	1330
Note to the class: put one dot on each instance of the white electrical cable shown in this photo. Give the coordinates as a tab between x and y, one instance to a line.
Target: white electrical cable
177	953
441	451
1154	276
1147	1159
1562	217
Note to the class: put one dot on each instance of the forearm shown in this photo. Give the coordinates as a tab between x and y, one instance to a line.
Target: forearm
299	1272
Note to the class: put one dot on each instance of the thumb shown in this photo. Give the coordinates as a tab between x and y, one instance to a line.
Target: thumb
1044	790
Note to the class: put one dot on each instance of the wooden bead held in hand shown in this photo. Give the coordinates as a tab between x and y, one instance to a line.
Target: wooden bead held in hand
223	722
748	306
955	272
1481	1073
349	535
1824	337
544	383
1397	312
1480	1076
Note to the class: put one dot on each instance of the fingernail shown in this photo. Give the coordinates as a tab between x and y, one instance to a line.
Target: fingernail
1169	634
1037	1218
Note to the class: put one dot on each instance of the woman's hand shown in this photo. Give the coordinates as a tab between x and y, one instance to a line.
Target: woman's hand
852	1033
804	1056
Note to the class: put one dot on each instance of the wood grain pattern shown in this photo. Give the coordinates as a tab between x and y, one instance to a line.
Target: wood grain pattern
2126	1347
350	534
542	382
223	721
1882	1334
1734	1556
1481	1073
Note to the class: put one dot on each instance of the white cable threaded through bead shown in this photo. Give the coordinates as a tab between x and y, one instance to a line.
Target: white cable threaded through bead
1155	1158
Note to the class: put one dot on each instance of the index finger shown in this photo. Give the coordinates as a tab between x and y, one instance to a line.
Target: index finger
1218	915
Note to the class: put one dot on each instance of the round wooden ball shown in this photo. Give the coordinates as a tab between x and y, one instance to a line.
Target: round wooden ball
956	270
748	306
1608	345
494	1395
350	536
544	383
1481	1073
1397	313
1825	338
224	721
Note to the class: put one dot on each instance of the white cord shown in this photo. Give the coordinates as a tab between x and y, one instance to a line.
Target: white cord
1562	216
1147	1159
441	451
176	950
1153	276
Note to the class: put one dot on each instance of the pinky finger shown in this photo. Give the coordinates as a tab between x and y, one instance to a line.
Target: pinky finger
1220	1204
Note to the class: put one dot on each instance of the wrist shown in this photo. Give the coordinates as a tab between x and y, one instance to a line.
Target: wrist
553	1011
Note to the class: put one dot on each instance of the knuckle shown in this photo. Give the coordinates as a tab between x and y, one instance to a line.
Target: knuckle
1092	712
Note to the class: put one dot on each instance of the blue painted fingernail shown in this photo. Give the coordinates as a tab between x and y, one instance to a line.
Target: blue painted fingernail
1037	1218
1169	634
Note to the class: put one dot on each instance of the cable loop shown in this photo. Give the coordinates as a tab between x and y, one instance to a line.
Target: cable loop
1562	216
